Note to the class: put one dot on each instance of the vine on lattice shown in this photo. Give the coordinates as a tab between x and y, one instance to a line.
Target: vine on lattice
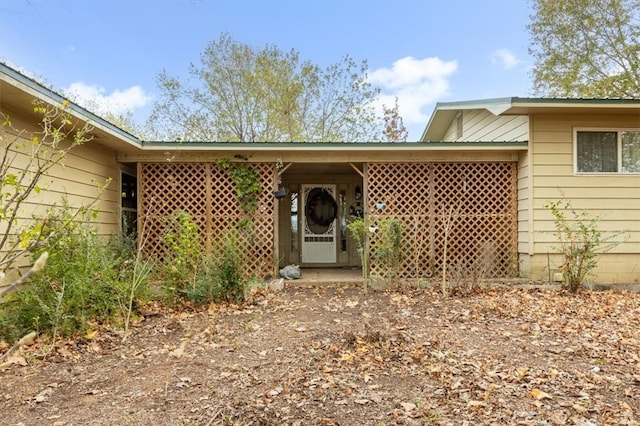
247	185
209	194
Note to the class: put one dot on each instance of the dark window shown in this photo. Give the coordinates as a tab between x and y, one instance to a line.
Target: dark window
608	152
129	200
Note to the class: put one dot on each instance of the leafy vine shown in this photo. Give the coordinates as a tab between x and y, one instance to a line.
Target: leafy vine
247	181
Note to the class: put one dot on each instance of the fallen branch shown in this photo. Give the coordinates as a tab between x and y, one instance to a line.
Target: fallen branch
37	266
26	340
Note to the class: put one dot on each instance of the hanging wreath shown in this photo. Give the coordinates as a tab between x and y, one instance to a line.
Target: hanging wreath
324	199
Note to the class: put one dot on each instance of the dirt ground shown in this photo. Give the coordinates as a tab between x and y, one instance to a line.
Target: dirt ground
338	356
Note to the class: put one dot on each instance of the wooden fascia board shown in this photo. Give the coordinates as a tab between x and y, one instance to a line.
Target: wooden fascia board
324	154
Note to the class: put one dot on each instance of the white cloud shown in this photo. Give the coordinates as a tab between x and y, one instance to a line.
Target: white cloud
416	83
505	58
96	98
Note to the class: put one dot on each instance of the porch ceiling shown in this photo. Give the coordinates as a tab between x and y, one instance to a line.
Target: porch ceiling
321	168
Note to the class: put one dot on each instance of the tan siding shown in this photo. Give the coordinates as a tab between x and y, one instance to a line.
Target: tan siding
612	268
614	195
77	180
481	125
554	159
561	177
615	198
451	133
523	203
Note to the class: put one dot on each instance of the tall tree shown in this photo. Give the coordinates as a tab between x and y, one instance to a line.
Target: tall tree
394	129
242	94
586	48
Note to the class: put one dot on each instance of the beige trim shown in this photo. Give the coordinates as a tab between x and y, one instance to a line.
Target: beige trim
324	156
532	185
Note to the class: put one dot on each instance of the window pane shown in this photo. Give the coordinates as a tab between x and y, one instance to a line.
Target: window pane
630	152
597	152
343	221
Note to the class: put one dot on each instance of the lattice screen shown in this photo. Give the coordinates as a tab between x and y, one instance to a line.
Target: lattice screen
208	194
474	202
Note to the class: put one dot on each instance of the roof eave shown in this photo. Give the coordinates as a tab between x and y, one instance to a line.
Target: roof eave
37	90
320	147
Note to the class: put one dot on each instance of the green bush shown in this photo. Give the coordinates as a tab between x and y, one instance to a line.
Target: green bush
389	247
358	228
222	276
183	258
84	281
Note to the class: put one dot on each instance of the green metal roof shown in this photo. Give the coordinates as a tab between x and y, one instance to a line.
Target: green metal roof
323	146
444	112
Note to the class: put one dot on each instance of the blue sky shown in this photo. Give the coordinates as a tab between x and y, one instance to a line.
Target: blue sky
423	51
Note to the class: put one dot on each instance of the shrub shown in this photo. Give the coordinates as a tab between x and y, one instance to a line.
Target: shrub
389	247
581	242
358	228
83	281
222	277
183	257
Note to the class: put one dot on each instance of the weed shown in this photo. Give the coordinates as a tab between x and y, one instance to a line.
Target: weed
581	242
81	283
222	276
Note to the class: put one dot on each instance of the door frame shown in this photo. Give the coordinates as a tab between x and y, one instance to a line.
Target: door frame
317	248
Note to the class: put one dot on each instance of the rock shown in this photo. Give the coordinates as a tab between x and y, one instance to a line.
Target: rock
277	285
290	272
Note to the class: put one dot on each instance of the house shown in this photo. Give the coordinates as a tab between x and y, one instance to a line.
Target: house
478	181
86	166
585	151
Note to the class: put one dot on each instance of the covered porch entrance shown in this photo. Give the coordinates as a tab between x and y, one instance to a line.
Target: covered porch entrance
313	216
469	206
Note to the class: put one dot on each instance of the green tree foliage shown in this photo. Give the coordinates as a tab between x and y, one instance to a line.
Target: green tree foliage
126	122
586	48
242	94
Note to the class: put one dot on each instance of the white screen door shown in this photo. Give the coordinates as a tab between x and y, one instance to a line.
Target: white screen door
319	211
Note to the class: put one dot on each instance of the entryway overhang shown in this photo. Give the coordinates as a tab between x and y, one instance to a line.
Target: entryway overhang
324	152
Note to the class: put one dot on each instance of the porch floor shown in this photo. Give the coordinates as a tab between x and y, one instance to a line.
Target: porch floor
327	276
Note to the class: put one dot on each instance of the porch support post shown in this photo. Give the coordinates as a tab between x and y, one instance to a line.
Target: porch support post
276	220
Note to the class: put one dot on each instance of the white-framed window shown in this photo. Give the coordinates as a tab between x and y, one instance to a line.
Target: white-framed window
607	150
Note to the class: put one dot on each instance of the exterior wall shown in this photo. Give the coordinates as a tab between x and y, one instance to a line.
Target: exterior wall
615	198
77	180
524	224
481	125
329	156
